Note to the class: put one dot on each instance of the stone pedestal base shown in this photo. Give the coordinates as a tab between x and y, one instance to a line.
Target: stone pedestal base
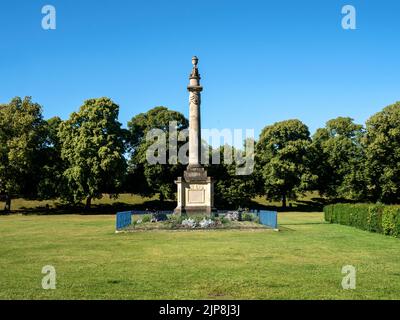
195	192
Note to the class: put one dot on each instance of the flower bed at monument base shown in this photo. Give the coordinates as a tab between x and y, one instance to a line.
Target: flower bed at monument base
168	226
200	222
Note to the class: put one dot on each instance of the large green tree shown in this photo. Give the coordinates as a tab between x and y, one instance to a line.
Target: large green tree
382	151
338	159
92	145
282	160
148	178
21	136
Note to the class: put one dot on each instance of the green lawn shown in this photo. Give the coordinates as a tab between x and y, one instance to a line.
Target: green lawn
303	261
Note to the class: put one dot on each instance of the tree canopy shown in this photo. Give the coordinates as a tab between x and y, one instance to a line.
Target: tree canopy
338	159
21	135
93	148
282	160
147	178
382	151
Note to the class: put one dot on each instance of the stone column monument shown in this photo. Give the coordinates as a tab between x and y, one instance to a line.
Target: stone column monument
195	189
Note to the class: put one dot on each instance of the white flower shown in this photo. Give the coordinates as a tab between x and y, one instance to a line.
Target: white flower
189	223
232	215
206	223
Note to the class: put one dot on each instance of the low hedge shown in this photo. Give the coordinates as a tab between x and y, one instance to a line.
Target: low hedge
371	217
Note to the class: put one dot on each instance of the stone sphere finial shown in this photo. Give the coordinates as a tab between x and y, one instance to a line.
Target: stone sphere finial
195	61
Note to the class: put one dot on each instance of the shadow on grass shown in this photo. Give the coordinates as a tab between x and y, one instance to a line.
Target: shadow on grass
313	205
97	209
104	209
283	228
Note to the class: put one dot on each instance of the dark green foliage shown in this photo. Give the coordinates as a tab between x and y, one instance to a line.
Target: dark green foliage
231	190
49	162
371	217
158	216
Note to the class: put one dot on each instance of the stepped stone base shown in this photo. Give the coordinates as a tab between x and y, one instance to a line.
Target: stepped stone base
195	192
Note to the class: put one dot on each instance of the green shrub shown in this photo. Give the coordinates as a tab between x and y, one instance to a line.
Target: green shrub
390	221
248	217
375	218
371	217
199	218
146	218
224	220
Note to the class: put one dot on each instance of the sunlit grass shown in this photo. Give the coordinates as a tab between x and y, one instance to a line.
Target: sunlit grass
303	261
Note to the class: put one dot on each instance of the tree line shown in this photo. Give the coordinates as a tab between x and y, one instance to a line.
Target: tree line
91	154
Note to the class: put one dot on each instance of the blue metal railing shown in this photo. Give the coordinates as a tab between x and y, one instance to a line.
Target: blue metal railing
123	220
269	218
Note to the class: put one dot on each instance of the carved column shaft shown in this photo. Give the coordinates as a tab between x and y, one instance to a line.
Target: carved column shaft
194	128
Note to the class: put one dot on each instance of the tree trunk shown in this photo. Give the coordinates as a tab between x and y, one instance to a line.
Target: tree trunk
284	201
7	207
88	203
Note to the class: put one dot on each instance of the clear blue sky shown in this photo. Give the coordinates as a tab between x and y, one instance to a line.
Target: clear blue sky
260	61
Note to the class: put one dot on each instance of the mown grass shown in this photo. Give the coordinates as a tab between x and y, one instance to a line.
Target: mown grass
303	261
